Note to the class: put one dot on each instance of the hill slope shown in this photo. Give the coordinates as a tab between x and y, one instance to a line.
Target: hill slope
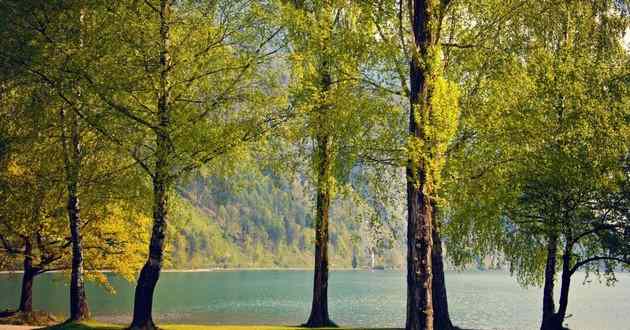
263	221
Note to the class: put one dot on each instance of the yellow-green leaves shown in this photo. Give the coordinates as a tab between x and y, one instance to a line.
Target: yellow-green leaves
544	131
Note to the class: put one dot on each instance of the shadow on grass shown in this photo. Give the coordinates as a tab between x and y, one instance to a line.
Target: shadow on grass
84	326
90	325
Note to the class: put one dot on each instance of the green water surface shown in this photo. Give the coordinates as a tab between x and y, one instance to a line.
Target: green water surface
479	300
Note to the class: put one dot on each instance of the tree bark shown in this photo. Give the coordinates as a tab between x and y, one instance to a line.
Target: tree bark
26	296
72	159
319	309
564	287
424	22
419	272
550	271
150	273
441	317
162	181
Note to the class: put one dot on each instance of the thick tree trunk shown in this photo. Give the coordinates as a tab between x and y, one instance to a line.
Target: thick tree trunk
162	181
26	296
550	272
319	309
424	21
419	272
441	317
72	159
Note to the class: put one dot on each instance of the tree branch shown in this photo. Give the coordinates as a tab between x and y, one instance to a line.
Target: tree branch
596	258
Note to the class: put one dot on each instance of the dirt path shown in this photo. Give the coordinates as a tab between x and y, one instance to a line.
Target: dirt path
17	327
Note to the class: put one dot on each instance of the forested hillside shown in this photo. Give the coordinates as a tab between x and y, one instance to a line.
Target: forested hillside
268	222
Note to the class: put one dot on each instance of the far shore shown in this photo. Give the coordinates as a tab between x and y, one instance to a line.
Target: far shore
217	269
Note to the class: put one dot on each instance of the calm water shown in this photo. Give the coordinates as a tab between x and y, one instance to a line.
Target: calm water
477	300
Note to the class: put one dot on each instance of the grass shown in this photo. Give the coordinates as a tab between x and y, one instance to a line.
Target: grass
91	325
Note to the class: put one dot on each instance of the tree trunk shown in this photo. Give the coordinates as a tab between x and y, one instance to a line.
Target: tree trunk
564	287
72	159
425	27
319	309
162	181
419	272
441	317
550	272
78	301
26	296
150	273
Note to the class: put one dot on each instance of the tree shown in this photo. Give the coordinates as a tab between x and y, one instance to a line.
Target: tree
33	230
330	44
202	97
55	44
22	233
545	180
432	123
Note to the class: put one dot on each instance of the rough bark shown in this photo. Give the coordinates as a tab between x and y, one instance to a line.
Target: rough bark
150	273
419	273
319	309
419	211
72	159
441	317
550	271
26	296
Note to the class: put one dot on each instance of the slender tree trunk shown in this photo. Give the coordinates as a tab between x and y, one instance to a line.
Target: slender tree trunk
425	27
441	317
319	309
30	271
319	316
550	272
162	182
564	287
72	158
78	301
150	273
26	296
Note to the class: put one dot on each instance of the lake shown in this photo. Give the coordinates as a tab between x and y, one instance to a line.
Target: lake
479	300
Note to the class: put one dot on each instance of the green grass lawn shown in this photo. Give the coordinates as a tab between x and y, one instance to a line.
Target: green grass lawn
102	326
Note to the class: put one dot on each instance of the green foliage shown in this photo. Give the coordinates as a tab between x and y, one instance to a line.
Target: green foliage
244	107
332	52
33	191
543	150
260	220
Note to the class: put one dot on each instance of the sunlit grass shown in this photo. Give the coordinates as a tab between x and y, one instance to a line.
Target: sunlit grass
91	325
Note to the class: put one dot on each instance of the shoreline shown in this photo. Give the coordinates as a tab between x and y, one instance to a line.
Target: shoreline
217	269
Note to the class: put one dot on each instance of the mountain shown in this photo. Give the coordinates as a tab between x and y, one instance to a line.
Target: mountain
262	220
